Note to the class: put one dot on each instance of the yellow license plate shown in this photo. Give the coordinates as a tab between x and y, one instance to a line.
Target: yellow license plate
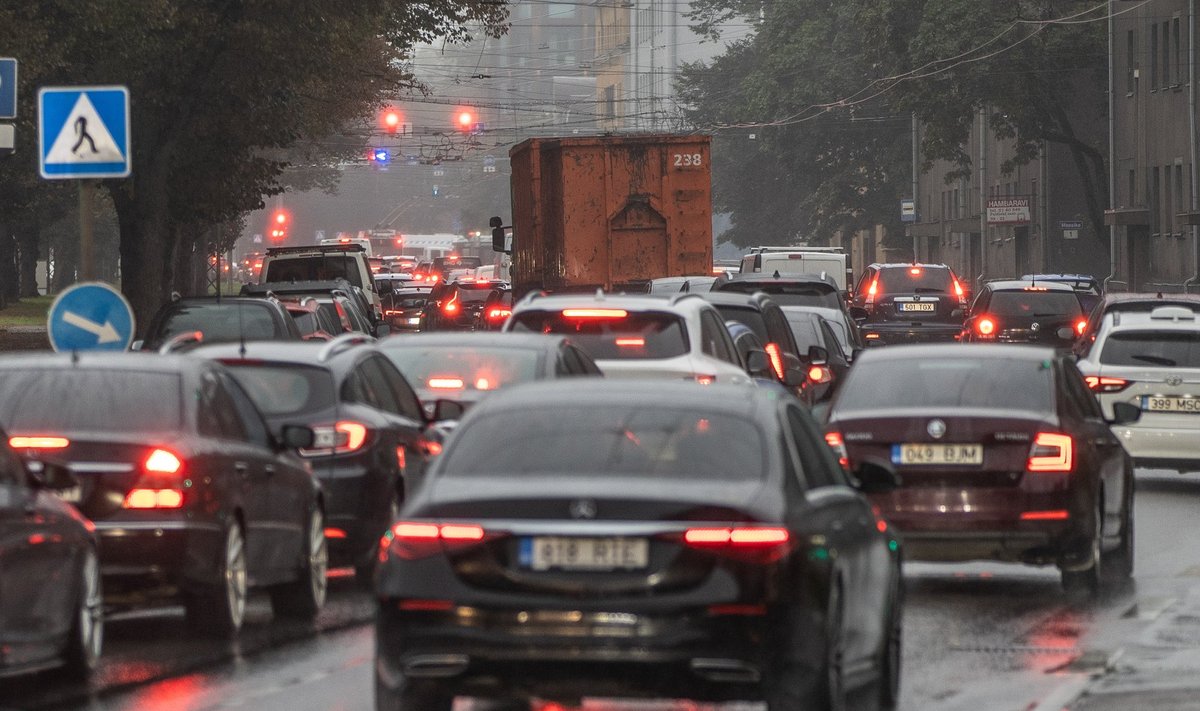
937	454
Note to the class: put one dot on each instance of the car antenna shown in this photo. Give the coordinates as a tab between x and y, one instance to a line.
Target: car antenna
241	331
686	287
776	276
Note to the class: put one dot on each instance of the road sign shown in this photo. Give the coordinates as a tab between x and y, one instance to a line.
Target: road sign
83	132
8	139
92	316
908	210
8	88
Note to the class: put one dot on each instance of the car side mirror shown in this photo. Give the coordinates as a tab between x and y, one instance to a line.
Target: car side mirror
875	476
758	364
297	437
817	355
448	410
858	313
498	236
47	475
1125	413
795	374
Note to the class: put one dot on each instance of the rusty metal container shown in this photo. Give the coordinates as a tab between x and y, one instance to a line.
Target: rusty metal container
610	211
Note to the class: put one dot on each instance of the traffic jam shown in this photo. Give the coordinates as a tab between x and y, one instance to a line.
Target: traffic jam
549	477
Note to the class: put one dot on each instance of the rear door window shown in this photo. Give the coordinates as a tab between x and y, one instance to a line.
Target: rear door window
612	334
1153	349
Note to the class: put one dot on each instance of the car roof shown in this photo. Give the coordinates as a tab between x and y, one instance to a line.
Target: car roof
907	265
1065	277
631	302
782	278
1163	318
117	360
1135	300
734	399
959	351
735	298
307	352
1032	286
480	339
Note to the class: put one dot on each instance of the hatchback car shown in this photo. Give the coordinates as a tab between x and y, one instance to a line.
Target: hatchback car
1151	361
369	428
1087	287
1042	313
457	306
786	289
638	336
665	539
844	328
1004	454
465	368
404	309
51	612
909	303
1129	303
221	319
191	495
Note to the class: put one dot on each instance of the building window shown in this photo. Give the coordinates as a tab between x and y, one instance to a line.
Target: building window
1166	55
1153	56
1131	62
610	102
1180	67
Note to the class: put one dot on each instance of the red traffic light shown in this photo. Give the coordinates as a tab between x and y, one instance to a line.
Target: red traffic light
465	119
392	120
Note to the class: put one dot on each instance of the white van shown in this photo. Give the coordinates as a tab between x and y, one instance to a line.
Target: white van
830	261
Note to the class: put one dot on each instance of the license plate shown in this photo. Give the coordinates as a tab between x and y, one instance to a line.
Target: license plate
72	495
937	454
907	306
1188	405
590	554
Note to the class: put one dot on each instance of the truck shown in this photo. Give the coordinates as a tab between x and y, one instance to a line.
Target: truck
610	212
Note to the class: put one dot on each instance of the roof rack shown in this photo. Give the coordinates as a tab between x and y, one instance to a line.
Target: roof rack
273	251
342	343
797	248
180	341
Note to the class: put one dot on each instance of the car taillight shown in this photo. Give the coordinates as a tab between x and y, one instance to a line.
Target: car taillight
757	542
161	484
960	292
985	327
872	291
1101	384
1051	452
451	307
498	314
704	379
445	383
595	313
776	357
835	441
631	342
341	438
412	540
38	442
1080	326
819	375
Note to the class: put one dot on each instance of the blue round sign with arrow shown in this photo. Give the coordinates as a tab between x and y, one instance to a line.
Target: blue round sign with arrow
90	317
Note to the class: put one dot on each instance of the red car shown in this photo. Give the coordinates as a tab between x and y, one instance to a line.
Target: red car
1003	452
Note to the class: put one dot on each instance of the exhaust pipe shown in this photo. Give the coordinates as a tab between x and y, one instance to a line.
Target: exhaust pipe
436	666
726	670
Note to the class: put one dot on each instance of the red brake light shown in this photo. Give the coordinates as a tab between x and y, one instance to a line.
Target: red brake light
445	383
706	379
985	326
960	292
915	271
873	290
1051	452
159	486
776	357
819	374
835	441
736	537
161	461
595	313
410	540
342	437
497	313
1052	515
631	342
38	442
1081	326
1106	385
451	306
153	499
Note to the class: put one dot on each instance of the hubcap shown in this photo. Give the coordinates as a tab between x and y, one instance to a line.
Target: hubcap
235	576
91	611
318	558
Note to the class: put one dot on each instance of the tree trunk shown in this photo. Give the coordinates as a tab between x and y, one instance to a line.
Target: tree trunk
146	250
9	278
27	247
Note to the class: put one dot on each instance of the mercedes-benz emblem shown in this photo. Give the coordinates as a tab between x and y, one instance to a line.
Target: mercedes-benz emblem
936	429
1174	380
1036	326
583	508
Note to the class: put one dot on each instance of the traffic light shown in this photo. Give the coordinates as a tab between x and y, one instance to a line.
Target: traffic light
392	120
279	225
466	121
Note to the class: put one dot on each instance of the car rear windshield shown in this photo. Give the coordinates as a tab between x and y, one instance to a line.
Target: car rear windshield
916	280
57	400
1166	349
793	294
930	384
1034	303
642	441
285	388
457	368
410	302
753	318
228	321
446	263
316	268
612	334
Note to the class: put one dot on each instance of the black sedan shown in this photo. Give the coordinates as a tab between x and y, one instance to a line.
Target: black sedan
368	422
1004	454
1042	313
465	367
50	602
664	540
191	495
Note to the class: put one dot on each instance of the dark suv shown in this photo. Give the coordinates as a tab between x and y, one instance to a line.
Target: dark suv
787	289
222	320
1046	313
909	303
767	320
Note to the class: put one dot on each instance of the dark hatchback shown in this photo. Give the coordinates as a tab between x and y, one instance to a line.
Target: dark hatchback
665	540
1004	454
221	320
457	306
191	496
50	597
909	303
785	290
368	423
464	368
1040	313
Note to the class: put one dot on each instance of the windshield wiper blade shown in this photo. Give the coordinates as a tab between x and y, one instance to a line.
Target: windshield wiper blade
928	290
1157	360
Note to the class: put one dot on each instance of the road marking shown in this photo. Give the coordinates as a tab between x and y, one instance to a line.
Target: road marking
1063	694
1149	609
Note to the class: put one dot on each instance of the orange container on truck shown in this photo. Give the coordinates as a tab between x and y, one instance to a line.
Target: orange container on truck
610	212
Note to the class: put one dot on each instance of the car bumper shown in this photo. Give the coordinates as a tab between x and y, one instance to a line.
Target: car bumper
1161	447
892	334
143	554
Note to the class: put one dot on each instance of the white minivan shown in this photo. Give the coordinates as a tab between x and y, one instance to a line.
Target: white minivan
830	261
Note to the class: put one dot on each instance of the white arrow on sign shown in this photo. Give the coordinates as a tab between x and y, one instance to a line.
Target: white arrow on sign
105	333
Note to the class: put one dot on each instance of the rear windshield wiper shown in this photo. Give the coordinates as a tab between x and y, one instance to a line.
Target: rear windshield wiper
1157	360
929	290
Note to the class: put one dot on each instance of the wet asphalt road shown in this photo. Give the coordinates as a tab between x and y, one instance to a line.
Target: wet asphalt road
977	637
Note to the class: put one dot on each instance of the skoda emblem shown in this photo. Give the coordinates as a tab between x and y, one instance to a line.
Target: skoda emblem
1036	326
1174	380
936	429
583	508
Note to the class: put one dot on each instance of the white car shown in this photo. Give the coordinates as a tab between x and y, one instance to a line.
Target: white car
1151	360
639	336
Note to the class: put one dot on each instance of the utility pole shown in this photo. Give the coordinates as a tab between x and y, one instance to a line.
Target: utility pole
916	172
87	198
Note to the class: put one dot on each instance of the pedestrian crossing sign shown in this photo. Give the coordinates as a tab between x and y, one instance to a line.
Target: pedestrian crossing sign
83	132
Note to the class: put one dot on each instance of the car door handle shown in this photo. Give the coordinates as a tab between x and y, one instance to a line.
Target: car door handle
241	468
269	469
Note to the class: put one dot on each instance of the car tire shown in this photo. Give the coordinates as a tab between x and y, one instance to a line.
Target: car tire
87	631
1118	563
304	597
891	655
220	609
413	696
1088	579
